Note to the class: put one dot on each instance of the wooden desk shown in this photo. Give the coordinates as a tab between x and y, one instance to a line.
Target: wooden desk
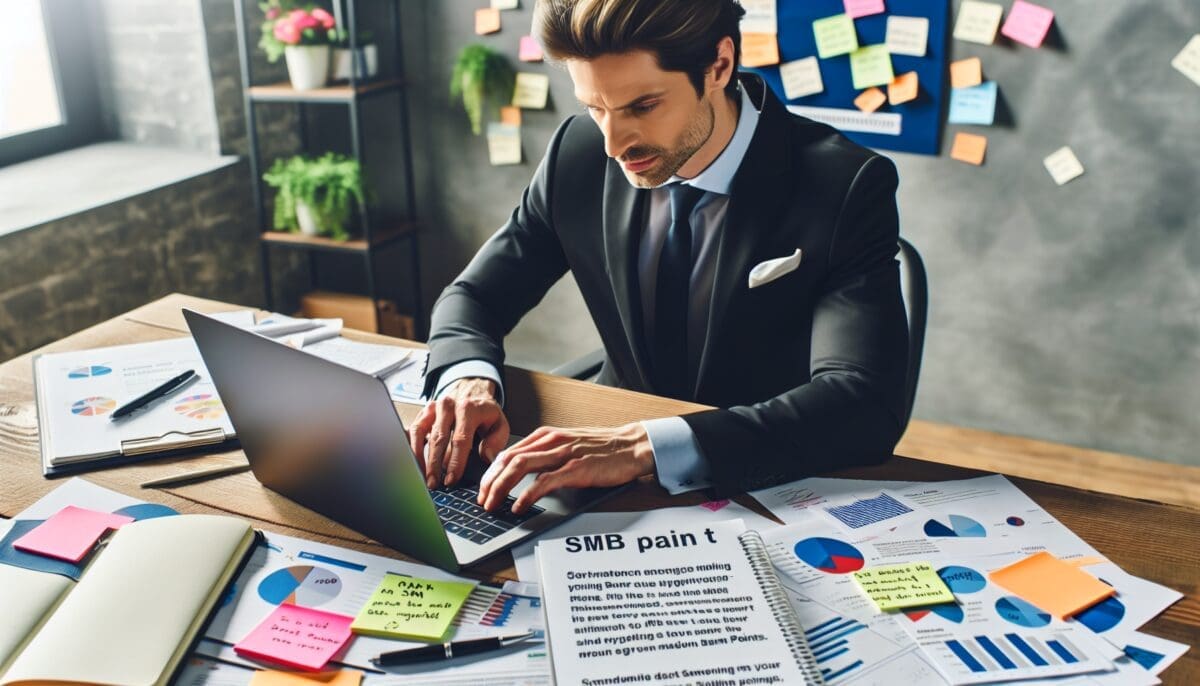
1158	541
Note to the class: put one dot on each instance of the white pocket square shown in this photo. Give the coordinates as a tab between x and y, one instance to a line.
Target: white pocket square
766	272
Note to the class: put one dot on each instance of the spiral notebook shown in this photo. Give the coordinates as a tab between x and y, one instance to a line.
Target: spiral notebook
682	605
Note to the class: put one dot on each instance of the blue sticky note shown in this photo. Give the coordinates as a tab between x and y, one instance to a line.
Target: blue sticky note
974	105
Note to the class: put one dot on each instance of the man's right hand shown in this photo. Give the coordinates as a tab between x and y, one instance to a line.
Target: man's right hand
445	431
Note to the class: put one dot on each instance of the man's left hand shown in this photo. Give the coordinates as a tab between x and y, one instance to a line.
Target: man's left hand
567	458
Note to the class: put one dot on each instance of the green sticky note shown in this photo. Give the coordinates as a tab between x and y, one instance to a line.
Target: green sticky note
412	608
835	35
871	65
911	584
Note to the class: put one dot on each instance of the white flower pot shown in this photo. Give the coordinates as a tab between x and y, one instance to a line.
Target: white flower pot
342	62
306	220
308	65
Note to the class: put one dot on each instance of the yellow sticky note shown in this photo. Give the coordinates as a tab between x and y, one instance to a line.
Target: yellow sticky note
835	36
966	73
532	91
912	584
408	607
969	148
871	65
487	20
341	677
1057	587
904	88
978	21
870	100
760	49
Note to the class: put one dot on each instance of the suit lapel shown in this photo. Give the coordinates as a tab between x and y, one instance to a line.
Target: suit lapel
623	219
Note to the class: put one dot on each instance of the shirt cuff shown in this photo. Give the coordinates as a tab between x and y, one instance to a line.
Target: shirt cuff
677	459
480	369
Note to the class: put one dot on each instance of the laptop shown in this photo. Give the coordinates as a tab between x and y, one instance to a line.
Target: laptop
329	437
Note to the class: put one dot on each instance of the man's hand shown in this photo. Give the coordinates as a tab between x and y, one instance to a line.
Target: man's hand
567	458
448	427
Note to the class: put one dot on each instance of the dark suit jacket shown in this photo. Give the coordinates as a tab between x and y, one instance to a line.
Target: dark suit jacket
810	368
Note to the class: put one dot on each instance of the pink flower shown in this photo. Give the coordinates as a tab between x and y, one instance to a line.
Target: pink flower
324	17
303	20
287	32
273	13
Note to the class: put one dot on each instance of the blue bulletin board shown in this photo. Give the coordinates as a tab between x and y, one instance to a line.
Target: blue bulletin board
919	120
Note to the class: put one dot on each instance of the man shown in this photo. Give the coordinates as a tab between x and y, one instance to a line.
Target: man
729	252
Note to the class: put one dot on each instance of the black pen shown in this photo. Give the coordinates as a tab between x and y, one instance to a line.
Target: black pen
445	651
156	393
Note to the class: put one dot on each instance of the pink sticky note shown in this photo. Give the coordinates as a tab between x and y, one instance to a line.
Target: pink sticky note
715	505
70	534
1028	23
863	8
529	51
298	637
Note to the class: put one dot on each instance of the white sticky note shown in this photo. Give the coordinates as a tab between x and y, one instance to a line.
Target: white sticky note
1188	59
978	21
760	17
506	4
801	78
504	144
1063	165
532	91
907	35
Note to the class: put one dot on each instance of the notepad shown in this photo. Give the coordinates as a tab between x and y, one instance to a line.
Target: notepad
412	608
1057	587
911	584
298	637
70	534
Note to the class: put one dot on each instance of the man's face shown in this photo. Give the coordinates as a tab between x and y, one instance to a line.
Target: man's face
652	120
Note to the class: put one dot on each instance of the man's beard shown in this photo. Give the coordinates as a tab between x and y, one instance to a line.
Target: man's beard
697	133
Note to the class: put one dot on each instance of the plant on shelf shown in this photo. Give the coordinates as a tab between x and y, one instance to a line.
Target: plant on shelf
316	196
302	35
482	77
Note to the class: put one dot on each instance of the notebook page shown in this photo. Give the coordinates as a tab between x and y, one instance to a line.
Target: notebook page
27	598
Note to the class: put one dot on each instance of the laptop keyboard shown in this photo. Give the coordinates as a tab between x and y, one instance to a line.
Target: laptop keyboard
462	516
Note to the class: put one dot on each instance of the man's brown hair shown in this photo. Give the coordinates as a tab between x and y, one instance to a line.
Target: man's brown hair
682	34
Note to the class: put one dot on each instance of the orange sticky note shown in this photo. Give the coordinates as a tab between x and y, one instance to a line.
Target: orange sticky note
70	534
969	148
966	73
487	20
341	677
760	49
297	637
870	100
510	115
903	88
1057	587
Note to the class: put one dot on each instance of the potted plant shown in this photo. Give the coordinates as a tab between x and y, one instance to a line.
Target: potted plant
482	77
343	61
316	196
302	36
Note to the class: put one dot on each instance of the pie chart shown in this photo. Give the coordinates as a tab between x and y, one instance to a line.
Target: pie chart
202	407
958	526
950	612
962	579
146	511
93	407
1102	616
88	372
300	585
1021	613
829	555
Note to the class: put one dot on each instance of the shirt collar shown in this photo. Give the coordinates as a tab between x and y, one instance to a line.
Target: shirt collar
718	176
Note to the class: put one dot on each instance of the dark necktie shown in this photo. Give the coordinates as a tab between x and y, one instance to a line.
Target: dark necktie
672	297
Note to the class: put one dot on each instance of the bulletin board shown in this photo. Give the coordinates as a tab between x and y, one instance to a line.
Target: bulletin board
920	119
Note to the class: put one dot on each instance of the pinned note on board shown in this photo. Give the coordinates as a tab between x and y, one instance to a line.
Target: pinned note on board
801	78
974	105
760	17
510	115
966	73
1028	23
1052	585
1188	60
341	677
835	36
904	88
863	8
907	35
487	20
297	637
969	148
1063	166
871	65
530	50
870	100
978	21
506	4
532	91
759	49
408	607
504	143
70	534
910	584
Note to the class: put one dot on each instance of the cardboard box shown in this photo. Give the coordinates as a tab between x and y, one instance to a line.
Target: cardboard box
358	312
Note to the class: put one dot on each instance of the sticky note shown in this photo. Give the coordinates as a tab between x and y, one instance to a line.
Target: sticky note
871	65
1028	23
907	35
408	607
835	35
969	148
1063	166
904	88
760	17
978	21
1051	584
862	8
530	50
759	49
531	91
506	4
510	115
801	78
975	105
1188	60
297	637
966	73
911	584
341	677
70	534
870	100
504	143
487	20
